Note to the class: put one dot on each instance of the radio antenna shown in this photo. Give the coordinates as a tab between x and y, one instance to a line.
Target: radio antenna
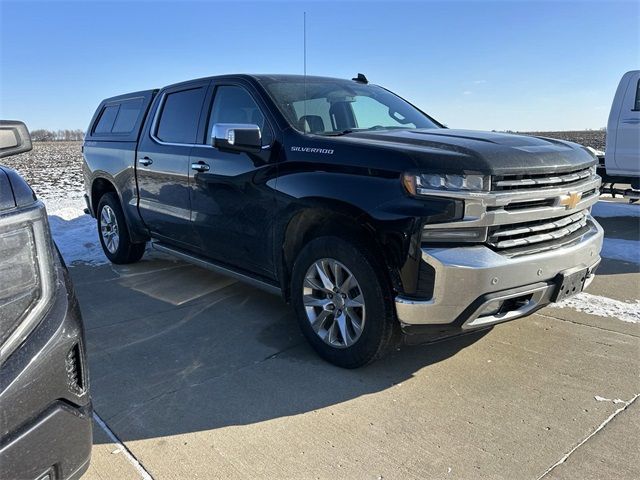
304	56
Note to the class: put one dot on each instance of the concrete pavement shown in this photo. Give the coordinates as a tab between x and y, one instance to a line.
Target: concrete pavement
200	377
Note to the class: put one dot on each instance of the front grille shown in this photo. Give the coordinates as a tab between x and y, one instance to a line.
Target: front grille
527	204
538	203
528	233
525	182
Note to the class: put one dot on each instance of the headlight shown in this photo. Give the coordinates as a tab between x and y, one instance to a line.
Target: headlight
593	169
26	274
426	183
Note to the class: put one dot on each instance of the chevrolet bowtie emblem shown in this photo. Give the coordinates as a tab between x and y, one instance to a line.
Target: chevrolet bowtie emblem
571	200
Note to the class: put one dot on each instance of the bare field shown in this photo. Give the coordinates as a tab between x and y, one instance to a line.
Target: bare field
53	169
589	138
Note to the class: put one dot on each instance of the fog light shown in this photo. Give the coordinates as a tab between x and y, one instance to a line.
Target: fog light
491	308
454	234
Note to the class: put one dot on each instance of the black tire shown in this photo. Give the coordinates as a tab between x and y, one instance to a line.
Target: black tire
125	251
379	322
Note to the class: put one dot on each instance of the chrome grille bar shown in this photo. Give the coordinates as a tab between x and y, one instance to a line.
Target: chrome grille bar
537	232
562	222
538	181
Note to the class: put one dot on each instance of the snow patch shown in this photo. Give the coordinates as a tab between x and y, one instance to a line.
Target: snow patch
619	249
74	232
603	399
602	307
615	209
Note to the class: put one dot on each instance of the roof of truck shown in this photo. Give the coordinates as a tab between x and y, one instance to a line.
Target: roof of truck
264	78
145	99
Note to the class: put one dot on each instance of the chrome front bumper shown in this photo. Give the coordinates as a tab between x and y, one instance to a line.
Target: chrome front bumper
469	279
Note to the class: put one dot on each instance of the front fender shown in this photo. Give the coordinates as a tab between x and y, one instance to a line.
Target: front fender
378	205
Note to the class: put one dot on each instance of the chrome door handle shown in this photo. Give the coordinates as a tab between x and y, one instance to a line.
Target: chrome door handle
146	161
200	167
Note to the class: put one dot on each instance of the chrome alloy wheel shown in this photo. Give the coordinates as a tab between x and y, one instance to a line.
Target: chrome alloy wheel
109	229
334	303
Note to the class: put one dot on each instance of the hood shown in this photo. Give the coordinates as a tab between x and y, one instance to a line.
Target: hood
447	150
14	191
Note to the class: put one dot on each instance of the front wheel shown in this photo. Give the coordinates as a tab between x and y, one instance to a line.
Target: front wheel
114	234
343	302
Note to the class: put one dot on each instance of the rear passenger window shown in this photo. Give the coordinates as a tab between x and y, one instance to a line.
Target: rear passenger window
127	116
180	115
108	116
637	105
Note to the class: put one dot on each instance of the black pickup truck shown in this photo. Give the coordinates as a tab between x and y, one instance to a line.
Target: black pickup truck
363	212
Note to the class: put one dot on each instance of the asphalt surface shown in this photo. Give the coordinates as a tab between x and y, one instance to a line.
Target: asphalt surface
196	376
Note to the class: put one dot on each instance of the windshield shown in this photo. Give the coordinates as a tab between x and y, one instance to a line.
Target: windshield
329	107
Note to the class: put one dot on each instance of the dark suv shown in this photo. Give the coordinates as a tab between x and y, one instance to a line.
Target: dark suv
45	409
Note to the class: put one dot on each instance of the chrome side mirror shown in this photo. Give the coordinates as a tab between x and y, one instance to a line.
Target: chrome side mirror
14	138
238	137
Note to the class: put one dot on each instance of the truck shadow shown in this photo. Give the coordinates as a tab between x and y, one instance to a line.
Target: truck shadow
230	357
621	248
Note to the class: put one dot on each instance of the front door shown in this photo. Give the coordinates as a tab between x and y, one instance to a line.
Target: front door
163	167
232	201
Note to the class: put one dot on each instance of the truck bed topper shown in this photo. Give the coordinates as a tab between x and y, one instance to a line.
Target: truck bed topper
120	119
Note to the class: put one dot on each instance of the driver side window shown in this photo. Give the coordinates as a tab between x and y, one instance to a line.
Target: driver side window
233	104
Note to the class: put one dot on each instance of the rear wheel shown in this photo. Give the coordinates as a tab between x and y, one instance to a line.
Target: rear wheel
343	302
114	234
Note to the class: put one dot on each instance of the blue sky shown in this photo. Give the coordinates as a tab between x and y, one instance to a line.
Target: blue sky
523	65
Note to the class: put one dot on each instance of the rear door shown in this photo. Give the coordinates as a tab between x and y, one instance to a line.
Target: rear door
233	201
162	163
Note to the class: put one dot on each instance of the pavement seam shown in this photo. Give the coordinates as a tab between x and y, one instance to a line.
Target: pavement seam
144	474
586	439
587	325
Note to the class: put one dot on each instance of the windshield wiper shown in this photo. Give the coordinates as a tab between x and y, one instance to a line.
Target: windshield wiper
391	127
337	133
